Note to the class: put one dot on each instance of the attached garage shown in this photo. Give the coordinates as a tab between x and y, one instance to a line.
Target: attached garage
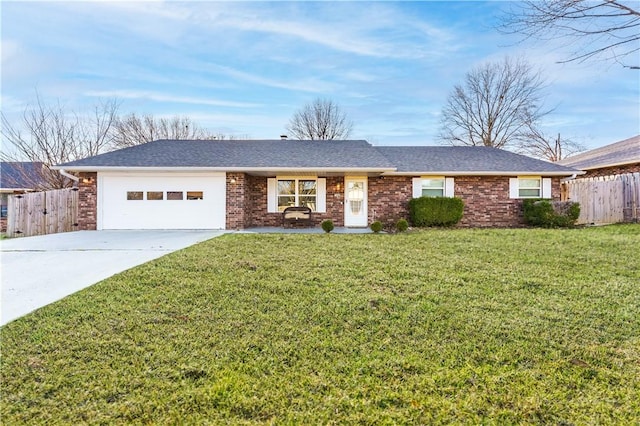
161	200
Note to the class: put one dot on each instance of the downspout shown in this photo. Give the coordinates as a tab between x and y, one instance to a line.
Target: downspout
66	174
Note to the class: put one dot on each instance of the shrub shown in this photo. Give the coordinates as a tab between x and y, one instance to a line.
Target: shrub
327	225
435	211
376	226
551	214
402	225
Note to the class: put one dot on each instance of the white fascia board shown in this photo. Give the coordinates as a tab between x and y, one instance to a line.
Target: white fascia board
482	173
623	163
226	169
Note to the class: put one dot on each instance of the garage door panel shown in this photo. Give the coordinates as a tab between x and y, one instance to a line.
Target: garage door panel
118	212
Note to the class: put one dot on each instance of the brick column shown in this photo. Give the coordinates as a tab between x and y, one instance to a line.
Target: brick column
236	201
88	201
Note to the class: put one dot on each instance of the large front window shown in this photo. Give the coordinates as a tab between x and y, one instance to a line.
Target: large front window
297	192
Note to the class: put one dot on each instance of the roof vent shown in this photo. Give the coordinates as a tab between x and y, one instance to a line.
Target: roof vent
283	137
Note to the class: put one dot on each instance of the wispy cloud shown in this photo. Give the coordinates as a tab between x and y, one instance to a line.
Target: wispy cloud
313	85
160	97
370	29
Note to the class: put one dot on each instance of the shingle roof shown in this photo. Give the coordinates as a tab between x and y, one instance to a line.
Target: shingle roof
340	155
241	154
20	175
619	153
443	159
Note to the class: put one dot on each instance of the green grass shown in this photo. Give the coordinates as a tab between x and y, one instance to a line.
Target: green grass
440	326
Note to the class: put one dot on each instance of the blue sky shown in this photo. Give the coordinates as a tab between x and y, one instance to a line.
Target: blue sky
244	68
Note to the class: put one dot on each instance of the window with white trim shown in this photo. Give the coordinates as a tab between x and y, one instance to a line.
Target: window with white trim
297	192
433	187
289	191
529	187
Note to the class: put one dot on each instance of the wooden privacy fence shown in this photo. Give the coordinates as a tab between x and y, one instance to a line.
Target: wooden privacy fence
608	199
39	213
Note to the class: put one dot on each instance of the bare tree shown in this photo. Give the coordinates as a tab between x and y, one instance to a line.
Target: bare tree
321	119
55	136
134	130
549	148
609	29
495	107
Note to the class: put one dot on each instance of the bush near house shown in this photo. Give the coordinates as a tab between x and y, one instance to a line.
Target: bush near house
376	226
402	225
327	225
551	214
435	211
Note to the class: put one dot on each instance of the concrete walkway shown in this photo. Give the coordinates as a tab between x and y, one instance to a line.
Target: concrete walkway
314	230
39	270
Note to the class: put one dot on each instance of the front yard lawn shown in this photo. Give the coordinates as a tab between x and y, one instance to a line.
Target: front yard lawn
438	326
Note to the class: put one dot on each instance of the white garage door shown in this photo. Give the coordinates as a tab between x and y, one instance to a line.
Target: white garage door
161	201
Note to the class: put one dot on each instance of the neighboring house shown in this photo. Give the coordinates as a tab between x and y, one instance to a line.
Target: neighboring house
614	159
17	178
191	184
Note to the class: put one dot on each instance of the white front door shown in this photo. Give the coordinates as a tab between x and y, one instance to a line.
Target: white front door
355	201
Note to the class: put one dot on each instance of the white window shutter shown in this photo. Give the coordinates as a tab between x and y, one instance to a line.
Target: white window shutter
321	195
514	188
417	187
448	187
546	188
272	196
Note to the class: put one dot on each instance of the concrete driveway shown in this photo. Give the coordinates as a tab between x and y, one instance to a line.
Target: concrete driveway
39	270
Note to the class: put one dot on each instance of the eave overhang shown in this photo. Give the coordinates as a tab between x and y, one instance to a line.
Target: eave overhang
250	170
483	173
604	166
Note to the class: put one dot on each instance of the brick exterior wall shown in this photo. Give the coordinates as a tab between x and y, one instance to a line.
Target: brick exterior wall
609	171
486	198
3	224
335	202
388	198
487	203
236	201
88	201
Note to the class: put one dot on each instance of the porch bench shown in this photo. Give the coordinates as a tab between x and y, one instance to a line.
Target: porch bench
296	215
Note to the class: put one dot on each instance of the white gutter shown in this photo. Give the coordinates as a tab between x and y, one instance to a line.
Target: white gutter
229	169
293	170
567	179
64	173
480	173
